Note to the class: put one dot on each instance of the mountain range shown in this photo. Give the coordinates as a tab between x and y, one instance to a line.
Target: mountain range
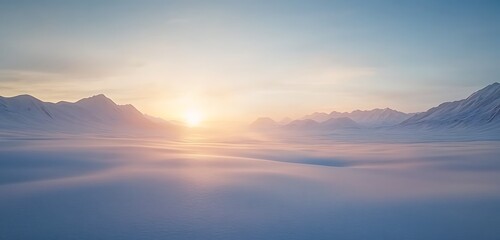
370	118
99	114
481	110
335	120
94	114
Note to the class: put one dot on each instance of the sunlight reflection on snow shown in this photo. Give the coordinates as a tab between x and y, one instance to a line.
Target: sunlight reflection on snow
130	189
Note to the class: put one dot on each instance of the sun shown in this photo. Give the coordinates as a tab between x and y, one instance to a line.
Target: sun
193	117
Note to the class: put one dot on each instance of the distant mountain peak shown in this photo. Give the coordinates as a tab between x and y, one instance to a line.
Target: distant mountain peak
263	123
264	120
302	123
25	97
340	119
96	99
99	96
375	117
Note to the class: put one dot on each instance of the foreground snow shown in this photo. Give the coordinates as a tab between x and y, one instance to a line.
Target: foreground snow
96	188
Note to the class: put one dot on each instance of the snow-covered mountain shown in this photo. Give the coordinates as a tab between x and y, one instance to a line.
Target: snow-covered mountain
372	118
376	117
340	123
93	114
264	123
317	116
306	124
479	110
335	120
329	125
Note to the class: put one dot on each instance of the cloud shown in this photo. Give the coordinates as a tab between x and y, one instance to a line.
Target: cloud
70	64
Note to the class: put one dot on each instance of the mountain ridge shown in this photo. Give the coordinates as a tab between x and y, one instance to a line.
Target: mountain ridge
93	114
371	118
480	109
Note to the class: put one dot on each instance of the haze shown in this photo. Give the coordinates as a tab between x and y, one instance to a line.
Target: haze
258	120
236	60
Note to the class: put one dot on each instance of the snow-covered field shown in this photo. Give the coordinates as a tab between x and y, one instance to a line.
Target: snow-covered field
116	188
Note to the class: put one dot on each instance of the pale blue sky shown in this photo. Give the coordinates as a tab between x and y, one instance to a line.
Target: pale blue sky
240	59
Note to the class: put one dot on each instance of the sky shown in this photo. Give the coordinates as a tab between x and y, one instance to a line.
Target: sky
237	60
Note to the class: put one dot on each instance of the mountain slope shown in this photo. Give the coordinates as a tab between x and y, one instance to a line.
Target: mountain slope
479	110
93	114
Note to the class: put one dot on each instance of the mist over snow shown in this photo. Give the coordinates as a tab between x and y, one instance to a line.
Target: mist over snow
249	120
475	117
306	188
97	170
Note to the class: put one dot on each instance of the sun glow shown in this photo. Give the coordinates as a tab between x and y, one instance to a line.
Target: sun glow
193	118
